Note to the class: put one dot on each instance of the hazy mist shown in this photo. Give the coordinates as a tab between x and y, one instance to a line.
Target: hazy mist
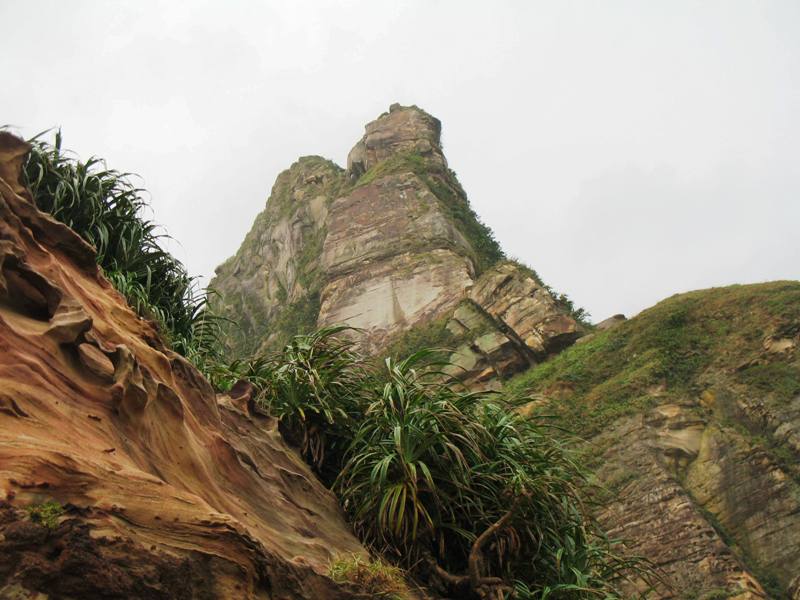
625	150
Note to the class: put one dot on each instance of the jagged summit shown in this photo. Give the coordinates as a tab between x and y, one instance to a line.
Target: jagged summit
404	129
389	246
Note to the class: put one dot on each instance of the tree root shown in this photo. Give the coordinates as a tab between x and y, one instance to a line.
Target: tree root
485	588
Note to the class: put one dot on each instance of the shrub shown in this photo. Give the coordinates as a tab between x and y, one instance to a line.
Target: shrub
479	493
313	386
372	577
463	492
106	210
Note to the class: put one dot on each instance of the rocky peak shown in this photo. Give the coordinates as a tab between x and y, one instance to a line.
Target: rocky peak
404	129
277	264
389	247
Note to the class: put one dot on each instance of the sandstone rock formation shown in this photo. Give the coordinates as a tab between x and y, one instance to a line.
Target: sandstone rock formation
402	130
277	273
509	323
152	486
389	245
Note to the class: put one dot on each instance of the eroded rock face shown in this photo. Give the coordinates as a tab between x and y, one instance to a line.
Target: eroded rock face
686	491
402	130
166	490
392	258
278	265
700	470
391	251
650	508
510	322
387	297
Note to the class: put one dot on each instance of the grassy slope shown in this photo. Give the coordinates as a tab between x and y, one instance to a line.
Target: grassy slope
679	344
684	346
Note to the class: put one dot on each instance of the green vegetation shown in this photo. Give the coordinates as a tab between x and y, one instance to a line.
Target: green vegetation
296	318
778	378
466	494
674	348
312	386
46	514
397	163
106	209
453	200
372	577
431	334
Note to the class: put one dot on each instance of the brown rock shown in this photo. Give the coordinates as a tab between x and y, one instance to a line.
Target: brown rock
510	294
97	362
659	519
404	129
166	494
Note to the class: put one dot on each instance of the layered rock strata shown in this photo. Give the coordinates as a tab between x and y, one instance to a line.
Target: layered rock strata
392	246
690	414
152	486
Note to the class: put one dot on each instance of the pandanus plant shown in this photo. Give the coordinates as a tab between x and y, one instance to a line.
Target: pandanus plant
107	210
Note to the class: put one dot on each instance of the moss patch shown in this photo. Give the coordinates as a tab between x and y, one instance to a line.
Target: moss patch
46	514
372	577
779	378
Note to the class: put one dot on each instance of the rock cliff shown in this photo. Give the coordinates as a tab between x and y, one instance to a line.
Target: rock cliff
389	246
122	474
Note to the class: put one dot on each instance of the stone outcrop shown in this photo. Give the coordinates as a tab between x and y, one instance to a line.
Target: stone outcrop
392	246
400	131
277	270
510	322
150	485
391	258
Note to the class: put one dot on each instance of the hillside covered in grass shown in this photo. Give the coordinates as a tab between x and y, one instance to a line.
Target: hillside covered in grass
701	393
674	350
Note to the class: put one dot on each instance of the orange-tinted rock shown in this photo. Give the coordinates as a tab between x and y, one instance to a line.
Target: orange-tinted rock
167	492
97	362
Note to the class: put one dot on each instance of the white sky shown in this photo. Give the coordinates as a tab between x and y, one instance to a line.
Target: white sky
625	150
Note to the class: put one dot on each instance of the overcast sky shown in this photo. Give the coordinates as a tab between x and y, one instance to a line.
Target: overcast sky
625	150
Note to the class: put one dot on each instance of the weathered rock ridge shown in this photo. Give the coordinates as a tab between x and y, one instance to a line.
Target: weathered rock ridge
387	246
157	487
